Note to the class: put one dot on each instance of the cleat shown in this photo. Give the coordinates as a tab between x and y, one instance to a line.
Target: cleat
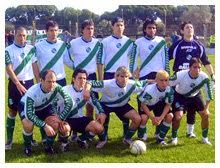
27	152
163	143
82	144
43	142
191	135
74	137
101	144
49	150
144	138
64	147
156	136
206	141
174	141
34	142
8	145
127	141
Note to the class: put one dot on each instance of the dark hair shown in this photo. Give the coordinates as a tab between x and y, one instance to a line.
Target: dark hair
86	23
44	74
183	24
194	60
20	28
51	23
117	19
76	72
147	22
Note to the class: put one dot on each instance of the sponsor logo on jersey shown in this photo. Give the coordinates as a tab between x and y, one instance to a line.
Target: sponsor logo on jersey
88	49
22	55
53	50
45	99
192	85
151	47
189	57
120	94
188	47
118	45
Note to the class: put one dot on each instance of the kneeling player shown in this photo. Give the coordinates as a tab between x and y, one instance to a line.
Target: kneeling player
157	97
36	109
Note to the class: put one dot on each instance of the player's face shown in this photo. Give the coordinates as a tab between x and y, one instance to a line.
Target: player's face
52	34
20	37
49	83
88	32
195	70
162	83
122	79
118	29
150	30
80	80
188	30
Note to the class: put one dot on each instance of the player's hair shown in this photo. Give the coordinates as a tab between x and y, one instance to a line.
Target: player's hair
122	70
20	28
86	23
147	22
194	60
51	23
117	19
162	74
183	24
44	74
76	72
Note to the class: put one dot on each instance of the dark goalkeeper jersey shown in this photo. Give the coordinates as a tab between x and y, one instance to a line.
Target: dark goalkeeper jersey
182	52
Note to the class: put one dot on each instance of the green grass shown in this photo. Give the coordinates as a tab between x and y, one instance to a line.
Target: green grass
187	151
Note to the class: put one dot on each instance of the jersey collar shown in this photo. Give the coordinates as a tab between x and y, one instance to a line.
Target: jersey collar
191	76
149	38
116	37
76	89
51	42
19	46
159	89
83	39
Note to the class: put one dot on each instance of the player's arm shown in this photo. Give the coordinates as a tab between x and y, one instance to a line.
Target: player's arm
165	111
134	61
209	93
149	114
100	62
100	71
67	57
36	71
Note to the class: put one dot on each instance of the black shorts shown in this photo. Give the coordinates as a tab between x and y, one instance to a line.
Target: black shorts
151	75
62	82
119	111
14	95
109	75
79	124
182	103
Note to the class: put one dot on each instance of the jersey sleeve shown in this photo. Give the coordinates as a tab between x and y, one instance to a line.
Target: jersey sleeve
174	79
140	85
100	55
95	103
134	58
97	86
208	90
34	58
7	58
166	59
169	96
203	56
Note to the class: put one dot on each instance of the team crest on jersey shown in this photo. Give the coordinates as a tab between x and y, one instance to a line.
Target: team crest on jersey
151	47
189	57
22	55
192	85
118	45
53	50
120	94
88	49
44	100
77	100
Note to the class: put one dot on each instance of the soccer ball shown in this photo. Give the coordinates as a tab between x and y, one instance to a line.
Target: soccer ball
138	147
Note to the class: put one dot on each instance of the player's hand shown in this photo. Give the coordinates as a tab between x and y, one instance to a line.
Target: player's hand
86	95
49	130
101	118
155	121
136	74
22	90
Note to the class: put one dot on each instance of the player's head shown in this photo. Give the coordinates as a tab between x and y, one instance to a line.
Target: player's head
118	26
162	79
187	29
87	28
122	75
20	35
79	78
149	28
48	80
52	30
195	65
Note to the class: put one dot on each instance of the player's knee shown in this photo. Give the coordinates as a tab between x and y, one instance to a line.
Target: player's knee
137	119
144	119
169	117
99	128
66	129
205	115
28	126
178	116
12	113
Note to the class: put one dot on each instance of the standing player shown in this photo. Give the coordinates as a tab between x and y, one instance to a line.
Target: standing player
153	57
36	109
77	121
157	97
21	67
187	95
115	51
182	52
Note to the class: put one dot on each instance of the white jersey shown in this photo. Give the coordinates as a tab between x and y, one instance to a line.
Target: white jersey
84	54
116	52
190	87
152	95
115	96
77	96
53	56
153	54
35	99
21	59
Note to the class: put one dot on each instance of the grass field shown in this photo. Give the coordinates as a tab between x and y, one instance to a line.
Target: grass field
187	151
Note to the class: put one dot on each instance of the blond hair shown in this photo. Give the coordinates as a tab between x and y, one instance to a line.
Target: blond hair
122	70
162	74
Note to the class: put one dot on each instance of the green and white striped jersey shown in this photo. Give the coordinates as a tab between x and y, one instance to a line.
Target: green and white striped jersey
35	99
115	96
188	86
84	54
153	54
53	56
152	95
21	59
77	97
